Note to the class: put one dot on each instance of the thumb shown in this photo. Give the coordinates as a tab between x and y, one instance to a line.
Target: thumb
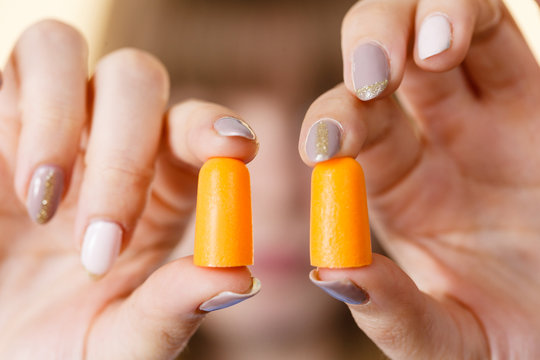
403	321
157	319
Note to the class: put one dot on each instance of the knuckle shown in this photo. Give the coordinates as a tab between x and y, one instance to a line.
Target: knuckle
54	33
195	109
187	106
489	15
337	98
122	171
393	336
54	114
356	11
137	66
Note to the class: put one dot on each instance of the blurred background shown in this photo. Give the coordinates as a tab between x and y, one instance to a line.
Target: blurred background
268	60
94	18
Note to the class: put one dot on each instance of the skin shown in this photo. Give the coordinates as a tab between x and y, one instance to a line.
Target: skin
152	154
453	198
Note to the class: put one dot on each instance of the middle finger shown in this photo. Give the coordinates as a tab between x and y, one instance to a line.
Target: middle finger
131	92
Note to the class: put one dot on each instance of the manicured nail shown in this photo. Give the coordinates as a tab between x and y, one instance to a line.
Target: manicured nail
323	140
369	71
343	290
435	36
229	126
101	246
45	192
229	298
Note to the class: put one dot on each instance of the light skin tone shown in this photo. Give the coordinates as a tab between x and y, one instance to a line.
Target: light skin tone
453	198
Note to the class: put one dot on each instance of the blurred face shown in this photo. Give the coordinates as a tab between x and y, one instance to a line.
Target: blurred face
289	305
280	49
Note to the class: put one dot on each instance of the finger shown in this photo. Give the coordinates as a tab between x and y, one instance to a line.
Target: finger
130	94
195	131
445	30
396	158
427	95
50	58
375	37
404	322
146	326
481	32
199	130
377	132
502	66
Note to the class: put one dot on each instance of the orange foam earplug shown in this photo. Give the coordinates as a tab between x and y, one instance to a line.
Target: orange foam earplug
339	217
223	231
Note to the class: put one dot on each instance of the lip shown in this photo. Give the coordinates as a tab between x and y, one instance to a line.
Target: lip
283	261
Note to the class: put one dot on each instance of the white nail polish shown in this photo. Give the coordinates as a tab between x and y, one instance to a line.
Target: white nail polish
101	246
435	36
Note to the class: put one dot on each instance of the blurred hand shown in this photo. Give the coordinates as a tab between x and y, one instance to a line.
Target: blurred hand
123	177
453	177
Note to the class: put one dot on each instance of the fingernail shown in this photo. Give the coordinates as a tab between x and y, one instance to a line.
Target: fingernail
45	192
435	36
323	140
369	71
229	298
229	126
101	246
343	290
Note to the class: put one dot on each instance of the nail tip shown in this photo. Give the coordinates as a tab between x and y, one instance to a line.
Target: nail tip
231	126
93	276
40	220
319	159
228	298
93	272
429	54
343	290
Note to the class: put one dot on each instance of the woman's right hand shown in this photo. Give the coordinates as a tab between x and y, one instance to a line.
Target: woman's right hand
452	173
123	176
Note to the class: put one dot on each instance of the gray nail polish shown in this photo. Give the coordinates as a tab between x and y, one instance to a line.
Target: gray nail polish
369	71
343	290
45	192
323	140
229	126
229	298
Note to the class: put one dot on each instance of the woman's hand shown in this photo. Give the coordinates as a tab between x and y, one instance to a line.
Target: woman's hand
122	177
453	176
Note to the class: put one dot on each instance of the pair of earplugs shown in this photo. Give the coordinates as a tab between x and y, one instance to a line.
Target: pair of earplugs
339	236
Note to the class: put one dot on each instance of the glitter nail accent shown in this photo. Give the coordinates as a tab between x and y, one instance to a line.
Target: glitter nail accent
45	212
322	139
369	92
